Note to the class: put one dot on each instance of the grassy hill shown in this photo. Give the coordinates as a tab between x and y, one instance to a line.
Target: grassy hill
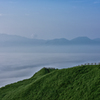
77	83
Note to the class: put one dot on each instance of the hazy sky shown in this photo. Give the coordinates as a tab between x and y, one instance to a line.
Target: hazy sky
48	19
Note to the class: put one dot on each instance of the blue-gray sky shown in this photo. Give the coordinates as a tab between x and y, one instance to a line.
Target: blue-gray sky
48	19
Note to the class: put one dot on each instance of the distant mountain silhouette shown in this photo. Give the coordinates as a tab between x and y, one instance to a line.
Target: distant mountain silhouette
61	41
14	40
97	39
82	40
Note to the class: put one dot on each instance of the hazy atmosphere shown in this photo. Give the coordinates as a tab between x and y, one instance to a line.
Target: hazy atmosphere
47	33
49	19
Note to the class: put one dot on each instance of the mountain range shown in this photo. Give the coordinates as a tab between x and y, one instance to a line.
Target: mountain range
14	40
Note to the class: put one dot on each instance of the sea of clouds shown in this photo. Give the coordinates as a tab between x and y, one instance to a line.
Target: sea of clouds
19	66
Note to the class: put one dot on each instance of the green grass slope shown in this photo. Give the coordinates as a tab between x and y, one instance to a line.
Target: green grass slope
77	83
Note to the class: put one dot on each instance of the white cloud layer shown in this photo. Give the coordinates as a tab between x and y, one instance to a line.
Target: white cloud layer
19	66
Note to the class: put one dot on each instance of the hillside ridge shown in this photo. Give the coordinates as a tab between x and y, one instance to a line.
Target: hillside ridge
76	83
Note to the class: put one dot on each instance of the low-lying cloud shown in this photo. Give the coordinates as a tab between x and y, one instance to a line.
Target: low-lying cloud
15	67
